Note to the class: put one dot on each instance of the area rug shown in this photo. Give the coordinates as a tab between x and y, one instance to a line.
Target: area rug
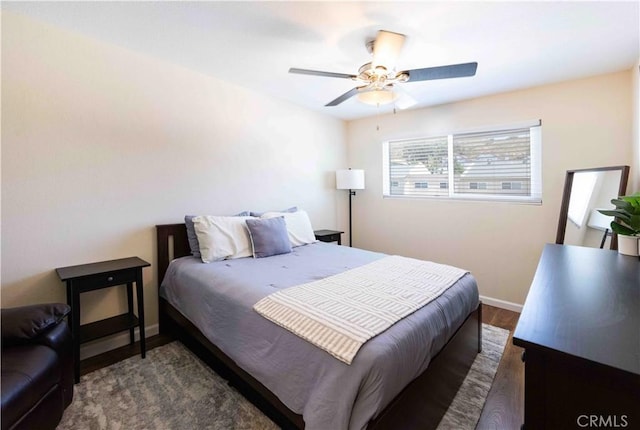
173	389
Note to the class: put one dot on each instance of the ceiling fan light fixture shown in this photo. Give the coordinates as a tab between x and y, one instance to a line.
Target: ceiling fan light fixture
377	97
386	49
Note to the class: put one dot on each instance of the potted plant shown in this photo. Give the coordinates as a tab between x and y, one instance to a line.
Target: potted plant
626	223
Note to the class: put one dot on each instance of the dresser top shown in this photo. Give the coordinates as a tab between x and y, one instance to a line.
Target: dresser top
584	302
81	270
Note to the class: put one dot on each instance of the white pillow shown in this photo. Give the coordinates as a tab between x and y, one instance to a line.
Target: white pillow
298	226
222	237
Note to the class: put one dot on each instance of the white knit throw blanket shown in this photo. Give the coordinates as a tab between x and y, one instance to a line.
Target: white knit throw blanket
341	312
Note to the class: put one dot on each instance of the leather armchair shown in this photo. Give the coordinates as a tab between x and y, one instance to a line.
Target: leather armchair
37	366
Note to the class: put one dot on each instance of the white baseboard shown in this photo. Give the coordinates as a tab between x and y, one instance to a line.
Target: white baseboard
503	304
116	341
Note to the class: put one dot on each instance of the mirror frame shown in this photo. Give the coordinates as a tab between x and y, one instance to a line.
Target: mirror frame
566	195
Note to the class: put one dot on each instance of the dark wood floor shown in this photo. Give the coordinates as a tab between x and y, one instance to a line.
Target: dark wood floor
503	410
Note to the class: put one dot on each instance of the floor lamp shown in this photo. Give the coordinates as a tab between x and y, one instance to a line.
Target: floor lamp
600	222
350	179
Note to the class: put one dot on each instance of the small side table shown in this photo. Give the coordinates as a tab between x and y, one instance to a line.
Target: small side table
329	236
94	276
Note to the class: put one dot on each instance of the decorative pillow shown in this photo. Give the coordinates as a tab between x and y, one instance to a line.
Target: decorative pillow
194	246
268	237
191	235
290	210
298	226
222	237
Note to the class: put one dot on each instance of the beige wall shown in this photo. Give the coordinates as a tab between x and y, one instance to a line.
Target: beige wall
585	123
100	144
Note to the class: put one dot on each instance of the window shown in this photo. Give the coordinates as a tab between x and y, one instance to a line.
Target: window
500	164
417	161
512	185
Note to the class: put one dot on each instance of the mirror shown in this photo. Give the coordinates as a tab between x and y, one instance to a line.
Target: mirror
586	191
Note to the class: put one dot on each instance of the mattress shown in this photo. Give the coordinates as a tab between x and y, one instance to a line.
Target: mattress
218	298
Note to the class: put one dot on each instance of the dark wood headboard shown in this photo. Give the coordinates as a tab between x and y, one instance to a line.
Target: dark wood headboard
172	243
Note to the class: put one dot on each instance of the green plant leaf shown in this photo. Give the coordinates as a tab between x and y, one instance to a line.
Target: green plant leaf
634	201
622	204
621	229
611	212
616	213
626	213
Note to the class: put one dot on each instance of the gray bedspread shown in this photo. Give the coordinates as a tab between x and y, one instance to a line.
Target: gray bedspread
331	395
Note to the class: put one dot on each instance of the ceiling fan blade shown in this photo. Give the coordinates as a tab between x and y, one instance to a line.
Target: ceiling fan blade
386	49
319	73
352	92
442	72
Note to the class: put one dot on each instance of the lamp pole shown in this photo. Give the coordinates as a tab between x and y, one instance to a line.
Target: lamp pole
351	180
351	193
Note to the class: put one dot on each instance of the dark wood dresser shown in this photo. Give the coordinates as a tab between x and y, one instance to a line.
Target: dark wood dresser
580	327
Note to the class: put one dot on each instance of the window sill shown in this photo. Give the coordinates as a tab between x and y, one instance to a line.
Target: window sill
464	198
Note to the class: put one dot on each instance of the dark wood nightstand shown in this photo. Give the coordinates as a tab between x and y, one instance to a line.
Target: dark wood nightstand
329	236
94	276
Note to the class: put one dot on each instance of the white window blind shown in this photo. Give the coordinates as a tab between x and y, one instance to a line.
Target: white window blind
489	165
419	167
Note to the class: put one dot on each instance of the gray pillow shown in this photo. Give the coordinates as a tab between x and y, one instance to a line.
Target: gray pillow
194	245
268	237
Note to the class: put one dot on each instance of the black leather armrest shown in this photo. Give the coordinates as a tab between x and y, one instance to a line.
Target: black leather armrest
32	324
58	337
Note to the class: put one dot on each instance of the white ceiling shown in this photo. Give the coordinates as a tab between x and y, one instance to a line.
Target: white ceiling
516	44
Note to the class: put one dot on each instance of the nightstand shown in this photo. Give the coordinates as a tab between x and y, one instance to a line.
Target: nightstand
329	236
94	276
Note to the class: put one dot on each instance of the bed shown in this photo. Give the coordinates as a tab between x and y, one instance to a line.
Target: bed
379	391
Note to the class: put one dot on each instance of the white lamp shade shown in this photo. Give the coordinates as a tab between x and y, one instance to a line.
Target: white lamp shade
599	221
350	179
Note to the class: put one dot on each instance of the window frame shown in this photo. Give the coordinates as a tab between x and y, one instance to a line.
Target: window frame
535	147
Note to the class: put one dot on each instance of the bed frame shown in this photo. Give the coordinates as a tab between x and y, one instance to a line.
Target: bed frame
420	405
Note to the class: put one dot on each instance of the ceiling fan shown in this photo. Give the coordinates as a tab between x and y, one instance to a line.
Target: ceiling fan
377	79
